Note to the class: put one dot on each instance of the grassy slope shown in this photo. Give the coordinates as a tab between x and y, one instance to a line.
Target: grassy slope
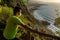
0	0
0	9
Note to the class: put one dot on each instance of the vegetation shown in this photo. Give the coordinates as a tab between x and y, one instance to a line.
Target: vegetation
57	21
58	32
0	0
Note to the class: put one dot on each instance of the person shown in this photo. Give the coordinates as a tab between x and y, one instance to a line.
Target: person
11	28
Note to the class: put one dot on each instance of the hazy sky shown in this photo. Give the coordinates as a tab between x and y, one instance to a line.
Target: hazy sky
47	0
50	0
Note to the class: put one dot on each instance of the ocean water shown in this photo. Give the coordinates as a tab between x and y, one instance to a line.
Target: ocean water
49	13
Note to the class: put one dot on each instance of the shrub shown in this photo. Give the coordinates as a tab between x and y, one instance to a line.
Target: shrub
5	12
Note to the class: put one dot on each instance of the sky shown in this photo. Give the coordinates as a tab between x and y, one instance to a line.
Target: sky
47	0
50	0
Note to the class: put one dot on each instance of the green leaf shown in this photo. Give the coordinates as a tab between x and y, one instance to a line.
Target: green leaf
25	1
